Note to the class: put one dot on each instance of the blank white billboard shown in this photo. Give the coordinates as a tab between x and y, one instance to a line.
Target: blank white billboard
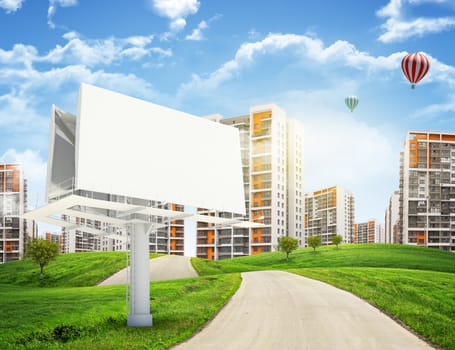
130	147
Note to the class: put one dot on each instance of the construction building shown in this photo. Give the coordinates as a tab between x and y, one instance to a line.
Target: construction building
329	212
427	190
272	160
13	204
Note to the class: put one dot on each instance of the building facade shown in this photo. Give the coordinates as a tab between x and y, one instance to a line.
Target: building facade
13	203
368	232
328	212
392	219
56	238
272	160
427	190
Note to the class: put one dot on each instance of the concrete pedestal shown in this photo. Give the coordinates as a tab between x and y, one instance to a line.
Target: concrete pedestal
140	315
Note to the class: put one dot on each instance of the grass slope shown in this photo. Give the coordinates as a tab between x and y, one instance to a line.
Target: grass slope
413	284
423	300
350	255
94	317
68	270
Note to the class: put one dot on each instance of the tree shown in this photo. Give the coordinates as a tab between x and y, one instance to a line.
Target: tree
287	244
41	252
337	240
314	242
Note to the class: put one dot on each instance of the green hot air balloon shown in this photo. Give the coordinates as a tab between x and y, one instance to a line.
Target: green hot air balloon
351	102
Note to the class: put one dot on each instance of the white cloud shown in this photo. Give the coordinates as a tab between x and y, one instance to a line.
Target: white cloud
53	5
90	52
34	168
437	109
176	8
341	149
396	28
11	5
301	46
176	11
197	35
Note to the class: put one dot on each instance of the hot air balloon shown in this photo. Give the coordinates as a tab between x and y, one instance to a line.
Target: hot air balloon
351	102
415	66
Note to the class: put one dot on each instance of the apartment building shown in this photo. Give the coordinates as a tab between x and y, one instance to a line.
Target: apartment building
56	238
272	160
427	190
13	203
392	219
169	237
329	212
368	232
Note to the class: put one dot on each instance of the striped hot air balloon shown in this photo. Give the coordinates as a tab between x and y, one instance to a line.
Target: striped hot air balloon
415	66
351	102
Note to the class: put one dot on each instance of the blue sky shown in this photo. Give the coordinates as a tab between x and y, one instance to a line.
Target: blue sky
205	57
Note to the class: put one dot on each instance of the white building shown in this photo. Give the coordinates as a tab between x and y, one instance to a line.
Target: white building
392	219
272	159
329	212
427	190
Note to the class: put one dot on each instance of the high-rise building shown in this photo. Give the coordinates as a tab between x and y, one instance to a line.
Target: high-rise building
56	238
368	232
272	159
169	237
13	204
329	212
392	219
427	190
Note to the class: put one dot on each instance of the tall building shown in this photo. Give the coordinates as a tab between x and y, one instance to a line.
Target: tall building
169	238
392	219
427	190
13	204
56	238
329	212
368	232
272	159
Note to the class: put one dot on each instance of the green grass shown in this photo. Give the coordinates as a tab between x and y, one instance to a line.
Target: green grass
423	300
352	255
68	270
94	317
413	284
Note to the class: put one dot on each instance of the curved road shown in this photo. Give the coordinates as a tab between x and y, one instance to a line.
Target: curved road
280	310
167	267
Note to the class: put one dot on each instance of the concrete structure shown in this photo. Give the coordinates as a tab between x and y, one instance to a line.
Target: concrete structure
86	185
329	212
427	190
272	159
392	219
13	204
368	232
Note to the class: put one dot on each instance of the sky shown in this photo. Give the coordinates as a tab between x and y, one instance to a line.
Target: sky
204	57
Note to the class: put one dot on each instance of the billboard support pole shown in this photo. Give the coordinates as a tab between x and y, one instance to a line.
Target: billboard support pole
140	315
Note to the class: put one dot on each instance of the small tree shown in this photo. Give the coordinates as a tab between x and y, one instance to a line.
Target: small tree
287	245
314	242
337	240
41	252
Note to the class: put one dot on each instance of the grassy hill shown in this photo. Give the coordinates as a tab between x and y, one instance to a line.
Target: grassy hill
412	284
68	270
350	255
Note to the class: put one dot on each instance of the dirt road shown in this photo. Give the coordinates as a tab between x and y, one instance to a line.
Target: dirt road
280	310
